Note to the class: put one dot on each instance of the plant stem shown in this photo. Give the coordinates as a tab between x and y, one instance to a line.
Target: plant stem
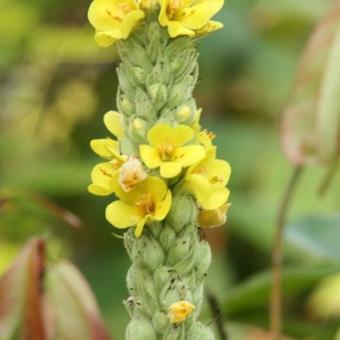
277	256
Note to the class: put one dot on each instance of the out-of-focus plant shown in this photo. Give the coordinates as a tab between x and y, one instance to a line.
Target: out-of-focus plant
311	129
311	125
40	300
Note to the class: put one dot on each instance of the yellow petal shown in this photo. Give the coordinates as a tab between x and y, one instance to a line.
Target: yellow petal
163	207
140	226
197	16
122	215
130	21
102	12
150	156
105	39
105	147
103	175
152	185
213	218
98	16
113	121
98	190
211	26
170	169
209	196
221	169
164	133
189	155
176	29
113	19
155	186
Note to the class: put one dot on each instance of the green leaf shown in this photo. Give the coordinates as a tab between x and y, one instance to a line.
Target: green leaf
316	236
255	291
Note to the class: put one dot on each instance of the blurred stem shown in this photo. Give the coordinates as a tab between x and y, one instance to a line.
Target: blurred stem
216	312
327	181
277	256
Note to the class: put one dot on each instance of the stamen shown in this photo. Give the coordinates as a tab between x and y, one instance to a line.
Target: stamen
166	151
146	204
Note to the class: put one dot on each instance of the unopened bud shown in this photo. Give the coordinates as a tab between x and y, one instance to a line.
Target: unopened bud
183	211
167	237
182	250
139	128
160	322
140	328
150	252
125	105
184	114
202	258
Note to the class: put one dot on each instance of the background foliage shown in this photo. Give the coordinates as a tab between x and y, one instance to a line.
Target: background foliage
55	87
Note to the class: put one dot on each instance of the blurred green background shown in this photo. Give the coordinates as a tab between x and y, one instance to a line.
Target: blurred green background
55	86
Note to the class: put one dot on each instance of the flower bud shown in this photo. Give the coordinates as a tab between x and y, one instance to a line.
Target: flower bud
167	237
139	128
183	248
161	276
183	211
153	90
202	258
159	321
125	105
140	328
184	114
150	251
139	74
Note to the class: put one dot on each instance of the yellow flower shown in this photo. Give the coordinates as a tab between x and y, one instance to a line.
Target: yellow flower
167	150
105	174
207	180
183	17
150	200
179	311
214	217
113	19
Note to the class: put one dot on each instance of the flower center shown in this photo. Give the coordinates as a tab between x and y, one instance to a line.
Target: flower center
166	151
122	9
146	204
131	174
173	6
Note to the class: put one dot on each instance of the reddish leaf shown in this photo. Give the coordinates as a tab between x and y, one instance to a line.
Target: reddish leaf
73	306
65	309
304	118
21	295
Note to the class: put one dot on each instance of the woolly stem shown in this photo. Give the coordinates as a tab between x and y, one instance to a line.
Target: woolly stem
169	261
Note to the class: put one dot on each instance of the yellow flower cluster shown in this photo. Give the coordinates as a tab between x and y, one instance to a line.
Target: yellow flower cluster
178	155
115	19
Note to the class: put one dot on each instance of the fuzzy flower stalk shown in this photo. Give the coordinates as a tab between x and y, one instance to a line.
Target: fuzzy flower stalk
159	165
